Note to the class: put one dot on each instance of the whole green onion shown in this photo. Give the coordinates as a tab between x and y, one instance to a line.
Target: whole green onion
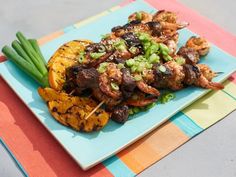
18	48
39	64
28	68
35	45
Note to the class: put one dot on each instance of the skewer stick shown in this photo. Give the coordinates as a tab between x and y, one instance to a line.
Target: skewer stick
217	73
72	92
95	109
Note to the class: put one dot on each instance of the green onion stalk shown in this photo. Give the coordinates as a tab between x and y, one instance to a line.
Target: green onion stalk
28	57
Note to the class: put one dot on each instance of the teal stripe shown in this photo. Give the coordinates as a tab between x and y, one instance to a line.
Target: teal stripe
117	167
14	158
69	28
186	124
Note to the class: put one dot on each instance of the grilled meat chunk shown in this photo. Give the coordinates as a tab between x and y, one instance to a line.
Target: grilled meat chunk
131	39
190	55
161	76
128	83
87	78
155	27
95	47
192	73
120	114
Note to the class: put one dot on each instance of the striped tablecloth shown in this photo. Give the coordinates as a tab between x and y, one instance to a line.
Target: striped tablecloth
41	155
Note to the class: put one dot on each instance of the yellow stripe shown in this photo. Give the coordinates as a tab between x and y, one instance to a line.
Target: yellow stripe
230	88
86	21
93	18
114	8
211	108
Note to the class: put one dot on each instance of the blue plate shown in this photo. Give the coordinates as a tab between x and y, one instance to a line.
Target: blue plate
89	149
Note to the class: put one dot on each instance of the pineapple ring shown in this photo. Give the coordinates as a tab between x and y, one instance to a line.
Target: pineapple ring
63	58
72	110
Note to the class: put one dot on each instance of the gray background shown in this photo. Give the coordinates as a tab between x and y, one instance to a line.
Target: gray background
210	154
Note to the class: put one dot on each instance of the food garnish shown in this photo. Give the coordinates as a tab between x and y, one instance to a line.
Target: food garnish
28	57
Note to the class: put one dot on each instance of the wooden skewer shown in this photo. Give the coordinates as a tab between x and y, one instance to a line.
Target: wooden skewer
73	91
95	109
217	73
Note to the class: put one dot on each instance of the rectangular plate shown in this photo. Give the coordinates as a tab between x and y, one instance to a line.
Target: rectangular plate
88	149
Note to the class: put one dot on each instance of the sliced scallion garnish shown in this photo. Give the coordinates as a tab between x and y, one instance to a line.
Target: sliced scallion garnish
114	86
97	55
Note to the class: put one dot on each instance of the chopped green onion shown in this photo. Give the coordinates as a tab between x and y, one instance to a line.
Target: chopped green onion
154	48
139	58
121	48
133	69
180	60
150	106
136	110
162	68
144	37
102	67
147	52
105	36
149	65
137	78
102	49
167	58
163	48
120	66
154	58
131	111
133	49
141	66
96	55
130	62
146	45
114	86
164	53
138	15
81	57
120	45
166	97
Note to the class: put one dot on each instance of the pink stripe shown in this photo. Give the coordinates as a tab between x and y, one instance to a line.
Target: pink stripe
126	2
233	78
2	58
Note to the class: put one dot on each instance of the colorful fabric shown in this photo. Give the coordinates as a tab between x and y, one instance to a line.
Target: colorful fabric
41	155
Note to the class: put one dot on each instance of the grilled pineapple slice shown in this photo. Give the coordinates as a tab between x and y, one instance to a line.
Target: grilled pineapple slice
63	58
71	110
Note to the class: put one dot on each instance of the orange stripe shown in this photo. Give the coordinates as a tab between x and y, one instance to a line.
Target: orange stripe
50	37
153	147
